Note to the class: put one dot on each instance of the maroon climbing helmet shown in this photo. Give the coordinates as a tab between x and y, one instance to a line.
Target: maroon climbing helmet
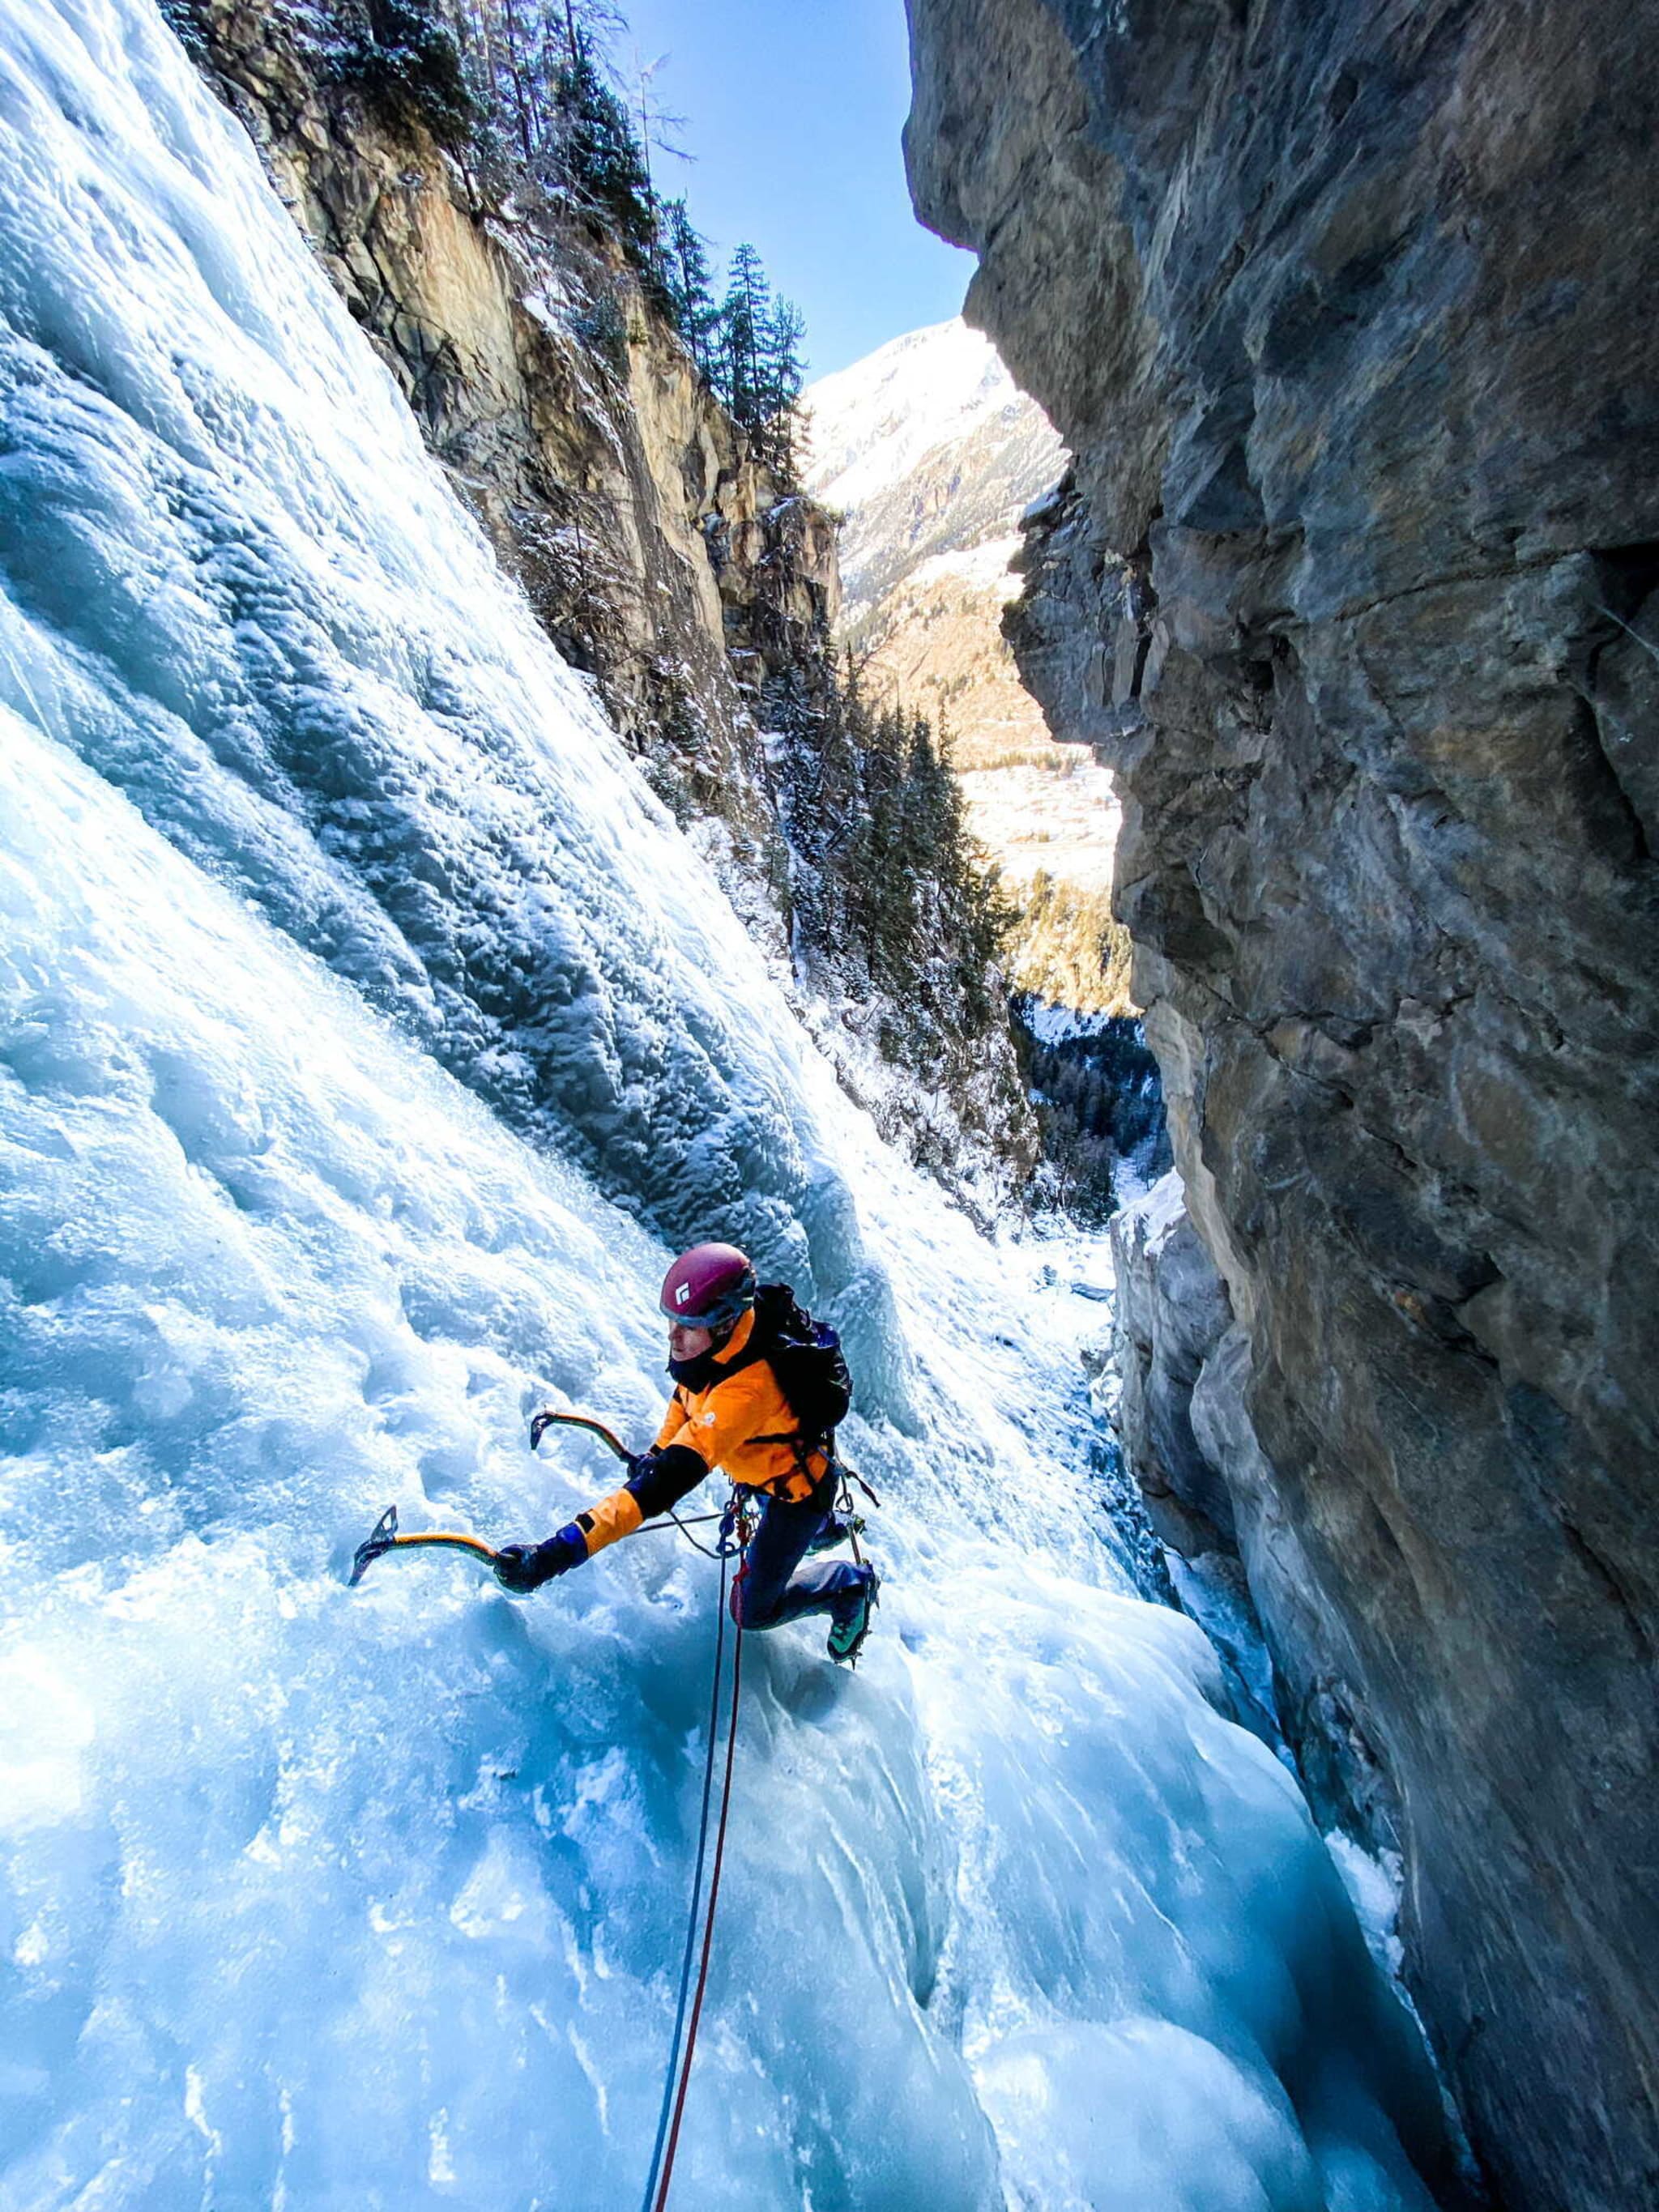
708	1287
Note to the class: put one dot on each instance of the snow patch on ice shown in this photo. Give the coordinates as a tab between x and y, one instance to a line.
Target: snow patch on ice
1374	1881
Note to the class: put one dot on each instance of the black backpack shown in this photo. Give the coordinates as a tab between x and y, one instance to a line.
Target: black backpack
805	1356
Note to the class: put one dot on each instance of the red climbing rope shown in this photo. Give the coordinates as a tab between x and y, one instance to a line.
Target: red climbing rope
708	1927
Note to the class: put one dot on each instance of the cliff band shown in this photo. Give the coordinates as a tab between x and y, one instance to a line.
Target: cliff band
1345	311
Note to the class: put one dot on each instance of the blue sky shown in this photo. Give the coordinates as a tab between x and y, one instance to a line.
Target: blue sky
793	110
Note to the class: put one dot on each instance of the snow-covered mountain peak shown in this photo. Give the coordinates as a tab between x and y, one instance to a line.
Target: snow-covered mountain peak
873	422
926	445
932	453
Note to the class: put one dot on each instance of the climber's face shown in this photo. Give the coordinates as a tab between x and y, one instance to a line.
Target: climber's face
688	1343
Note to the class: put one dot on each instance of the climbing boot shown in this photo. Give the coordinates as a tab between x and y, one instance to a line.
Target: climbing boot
847	1637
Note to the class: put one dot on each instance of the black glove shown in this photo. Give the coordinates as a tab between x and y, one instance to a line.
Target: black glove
526	1567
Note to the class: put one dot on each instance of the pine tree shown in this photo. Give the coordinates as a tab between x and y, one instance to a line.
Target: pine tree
758	370
600	155
590	26
527	89
404	56
783	377
516	52
685	280
744	317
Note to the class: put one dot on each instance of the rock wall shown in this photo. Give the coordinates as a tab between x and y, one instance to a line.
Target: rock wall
1171	1315
1183	1420
1345	311
660	555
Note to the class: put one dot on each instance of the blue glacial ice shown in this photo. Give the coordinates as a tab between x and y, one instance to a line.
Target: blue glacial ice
366	1027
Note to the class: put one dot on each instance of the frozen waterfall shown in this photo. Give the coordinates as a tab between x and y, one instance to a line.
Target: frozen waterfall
366	1027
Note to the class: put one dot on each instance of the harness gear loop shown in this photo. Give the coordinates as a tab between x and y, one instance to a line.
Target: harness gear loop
738	1524
844	1506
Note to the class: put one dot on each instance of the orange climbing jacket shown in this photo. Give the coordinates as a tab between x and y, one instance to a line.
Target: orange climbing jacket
741	1421
738	1420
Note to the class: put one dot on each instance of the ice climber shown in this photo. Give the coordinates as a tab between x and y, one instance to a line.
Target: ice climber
727	1338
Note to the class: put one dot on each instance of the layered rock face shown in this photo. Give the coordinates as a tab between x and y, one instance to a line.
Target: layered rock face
1345	312
1213	1497
659	553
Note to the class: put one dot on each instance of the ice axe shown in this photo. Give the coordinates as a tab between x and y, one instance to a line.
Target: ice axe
548	1418
384	1538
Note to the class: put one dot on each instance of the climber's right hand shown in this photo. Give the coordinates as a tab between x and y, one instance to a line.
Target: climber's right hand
522	1568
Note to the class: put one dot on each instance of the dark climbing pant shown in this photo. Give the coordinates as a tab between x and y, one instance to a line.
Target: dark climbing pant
774	1587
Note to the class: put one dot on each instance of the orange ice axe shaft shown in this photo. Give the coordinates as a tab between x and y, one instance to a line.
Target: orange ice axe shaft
384	1538
544	1421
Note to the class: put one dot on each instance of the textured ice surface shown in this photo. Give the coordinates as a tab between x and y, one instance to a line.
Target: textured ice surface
322	892
233	584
